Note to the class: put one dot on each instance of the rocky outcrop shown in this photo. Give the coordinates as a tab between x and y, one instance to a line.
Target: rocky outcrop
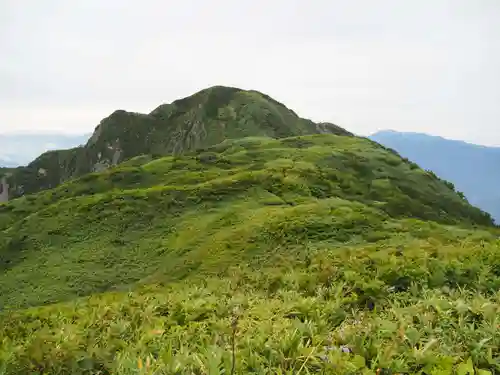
4	189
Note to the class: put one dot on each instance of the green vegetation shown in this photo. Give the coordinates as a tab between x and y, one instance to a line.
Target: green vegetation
89	235
417	305
315	254
234	237
201	120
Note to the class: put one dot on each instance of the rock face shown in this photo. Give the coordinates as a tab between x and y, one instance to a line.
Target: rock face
4	189
198	121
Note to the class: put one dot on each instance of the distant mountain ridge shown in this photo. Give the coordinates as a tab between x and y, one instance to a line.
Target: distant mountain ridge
203	119
18	149
7	162
473	169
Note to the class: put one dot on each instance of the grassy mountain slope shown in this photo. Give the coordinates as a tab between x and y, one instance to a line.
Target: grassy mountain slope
5	170
201	120
177	215
473	169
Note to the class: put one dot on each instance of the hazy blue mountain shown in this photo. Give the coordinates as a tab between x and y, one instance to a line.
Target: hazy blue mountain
20	149
473	169
7	162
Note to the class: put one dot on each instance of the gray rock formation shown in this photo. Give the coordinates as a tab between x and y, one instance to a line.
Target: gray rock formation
4	190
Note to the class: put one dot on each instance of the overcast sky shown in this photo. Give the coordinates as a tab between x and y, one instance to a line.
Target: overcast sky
415	65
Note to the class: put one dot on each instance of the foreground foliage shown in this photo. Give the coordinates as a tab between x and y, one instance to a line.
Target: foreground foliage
420	306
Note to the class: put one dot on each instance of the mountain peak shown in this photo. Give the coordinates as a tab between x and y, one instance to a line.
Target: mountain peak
204	119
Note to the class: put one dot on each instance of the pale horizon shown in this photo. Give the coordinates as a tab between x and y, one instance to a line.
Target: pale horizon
427	67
